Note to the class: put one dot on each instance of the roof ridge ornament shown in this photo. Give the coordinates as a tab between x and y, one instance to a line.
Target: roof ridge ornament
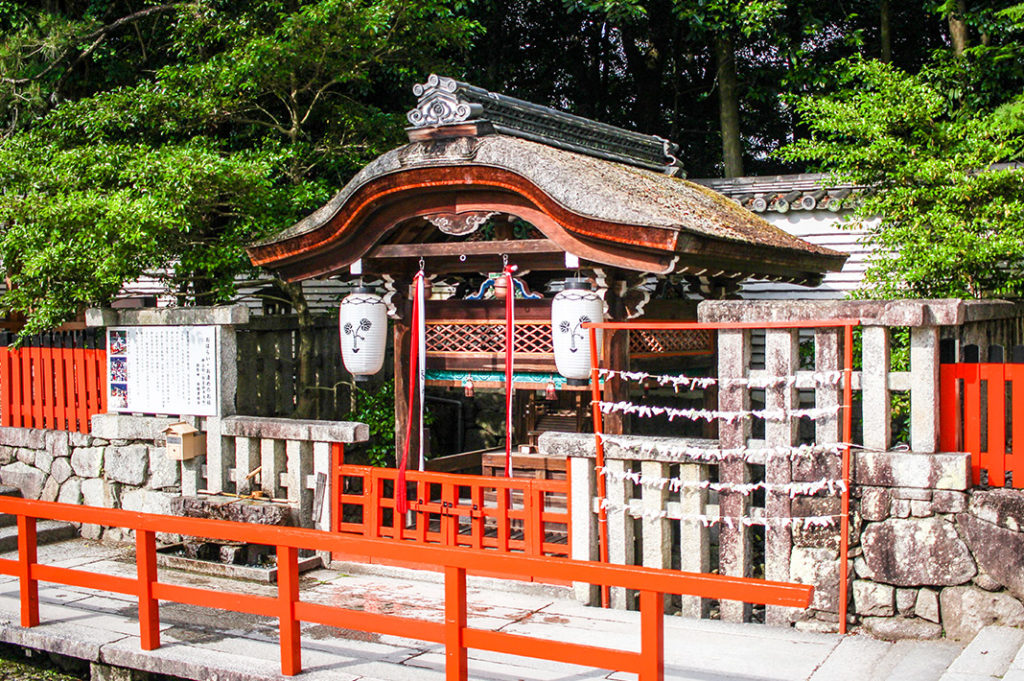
444	101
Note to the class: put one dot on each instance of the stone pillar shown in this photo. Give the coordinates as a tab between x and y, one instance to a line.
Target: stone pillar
875	404
583	522
657	537
734	554
247	459
781	360
228	343
219	451
828	358
694	540
620	525
300	465
924	389
322	466
272	459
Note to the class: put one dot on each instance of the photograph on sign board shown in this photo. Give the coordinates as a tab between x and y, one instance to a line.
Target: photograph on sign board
119	369
118	342
118	395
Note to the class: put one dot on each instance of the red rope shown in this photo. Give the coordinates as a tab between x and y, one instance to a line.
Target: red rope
510	339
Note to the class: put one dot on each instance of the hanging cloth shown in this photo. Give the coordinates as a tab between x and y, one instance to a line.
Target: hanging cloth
417	374
510	344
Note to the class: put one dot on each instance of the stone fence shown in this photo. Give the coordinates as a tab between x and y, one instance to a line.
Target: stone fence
122	463
928	553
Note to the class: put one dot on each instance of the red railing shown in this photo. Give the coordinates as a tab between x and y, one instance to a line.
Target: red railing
54	382
454	633
501	514
982	412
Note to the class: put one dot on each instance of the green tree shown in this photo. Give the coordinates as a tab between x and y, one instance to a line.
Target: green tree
943	209
168	138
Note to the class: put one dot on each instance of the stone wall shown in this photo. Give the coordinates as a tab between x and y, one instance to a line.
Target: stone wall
125	468
933	556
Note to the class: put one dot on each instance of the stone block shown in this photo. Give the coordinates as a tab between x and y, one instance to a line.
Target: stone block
920	509
898	628
233	509
100	492
905	601
874	503
57	443
1003	507
861	568
147	501
127	464
873	599
30	438
50	490
26	478
163	472
912	493
127	427
927	605
70	492
966	610
946	501
61	470
7	454
43	460
820	568
26	456
900	508
76	439
295	429
87	462
986	582
917	552
998	551
907	469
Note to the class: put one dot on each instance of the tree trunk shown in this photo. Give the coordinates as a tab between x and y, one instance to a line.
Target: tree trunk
885	26
306	402
957	28
729	108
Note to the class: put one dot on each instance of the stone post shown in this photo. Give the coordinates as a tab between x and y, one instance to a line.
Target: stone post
781	360
583	522
657	539
272	459
620	525
734	542
694	539
924	389
299	466
247	459
875	403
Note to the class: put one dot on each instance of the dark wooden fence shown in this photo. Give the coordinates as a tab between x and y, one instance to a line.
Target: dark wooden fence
268	365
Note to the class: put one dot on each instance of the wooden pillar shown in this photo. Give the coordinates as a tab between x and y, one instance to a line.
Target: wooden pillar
616	356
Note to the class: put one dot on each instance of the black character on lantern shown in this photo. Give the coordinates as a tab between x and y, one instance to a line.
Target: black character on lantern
574	331
364	325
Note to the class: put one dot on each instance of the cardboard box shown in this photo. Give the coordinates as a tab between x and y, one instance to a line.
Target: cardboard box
184	442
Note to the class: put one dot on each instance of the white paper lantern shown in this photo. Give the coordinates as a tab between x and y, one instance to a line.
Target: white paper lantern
575	305
363	327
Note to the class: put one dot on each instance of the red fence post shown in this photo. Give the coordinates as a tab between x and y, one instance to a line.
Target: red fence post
6	417
288	596
28	587
149	607
338	485
652	636
456	661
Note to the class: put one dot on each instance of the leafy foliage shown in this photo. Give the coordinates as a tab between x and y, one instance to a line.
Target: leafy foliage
376	409
945	218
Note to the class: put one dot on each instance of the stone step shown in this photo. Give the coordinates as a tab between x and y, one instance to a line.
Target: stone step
920	660
47	532
6	519
856	658
988	657
1016	670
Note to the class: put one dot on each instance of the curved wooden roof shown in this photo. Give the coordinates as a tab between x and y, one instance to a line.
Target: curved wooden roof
605	213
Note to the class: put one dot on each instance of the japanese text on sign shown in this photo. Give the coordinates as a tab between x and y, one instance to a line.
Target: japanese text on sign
163	370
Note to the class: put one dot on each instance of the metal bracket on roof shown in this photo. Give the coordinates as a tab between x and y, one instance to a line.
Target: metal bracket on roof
445	101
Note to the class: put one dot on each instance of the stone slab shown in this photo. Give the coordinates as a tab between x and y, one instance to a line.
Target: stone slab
168	316
28	438
950	471
991	652
295	429
855	658
128	427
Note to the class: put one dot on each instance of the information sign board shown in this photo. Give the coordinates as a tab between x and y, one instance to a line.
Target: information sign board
163	370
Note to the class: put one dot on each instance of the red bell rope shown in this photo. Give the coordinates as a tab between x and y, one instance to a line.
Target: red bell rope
510	340
401	503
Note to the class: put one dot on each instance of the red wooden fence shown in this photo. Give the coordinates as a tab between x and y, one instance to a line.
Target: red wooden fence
982	412
54	381
290	610
505	515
